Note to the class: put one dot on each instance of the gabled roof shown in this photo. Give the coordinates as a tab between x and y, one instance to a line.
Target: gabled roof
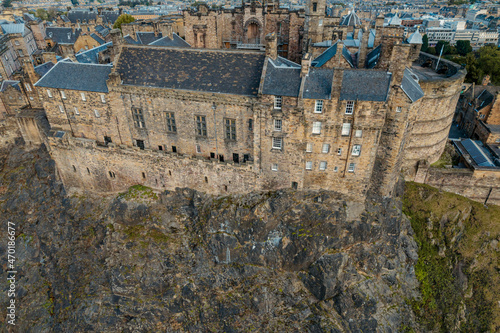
318	84
9	83
83	16
365	85
373	56
97	39
14	28
102	30
76	76
130	40
176	41
351	19
44	68
347	55
323	58
282	78
147	37
92	56
109	17
395	21
411	87
216	71
484	99
62	35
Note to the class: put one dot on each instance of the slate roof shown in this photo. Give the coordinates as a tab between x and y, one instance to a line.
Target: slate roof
75	76
64	18
30	17
282	78
14	28
44	68
411	87
102	30
176	41
347	55
147	37
477	154
352	19
109	17
325	56
415	38
373	57
365	85
92	56
62	35
318	84
130	40
9	83
484	99
217	71
83	16
97	38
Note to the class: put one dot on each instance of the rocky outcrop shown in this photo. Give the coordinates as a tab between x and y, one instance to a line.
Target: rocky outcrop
183	261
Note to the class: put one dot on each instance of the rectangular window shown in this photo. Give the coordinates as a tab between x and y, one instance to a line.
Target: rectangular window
63	95
322	165
49	93
103	99
97	114
352	167
277	102
326	148
20	53
318	108
27	86
316	127
138	118
277	143
231	129
346	129
274	167
349	107
76	111
309	147
61	108
201	125
336	169
315	6
171	127
198	149
83	97
339	151
399	109
277	125
356	150
358	133
250	125
309	165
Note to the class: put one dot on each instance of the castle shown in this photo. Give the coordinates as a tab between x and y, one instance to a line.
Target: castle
363	104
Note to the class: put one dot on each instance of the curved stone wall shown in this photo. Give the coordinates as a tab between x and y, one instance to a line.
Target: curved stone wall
431	116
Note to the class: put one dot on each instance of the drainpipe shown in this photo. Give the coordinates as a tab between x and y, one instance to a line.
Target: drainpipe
214	107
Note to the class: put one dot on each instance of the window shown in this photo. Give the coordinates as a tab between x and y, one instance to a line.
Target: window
231	129
277	102
346	129
277	143
201	126
198	149
174	149
339	151
352	167
326	148
140	144
277	125
49	93
316	127
27	86
309	147
97	114
274	167
356	150
309	165
358	133
103	99
336	169
83	97
160	147
16	42
138	118
318	108
63	95
322	165
171	127
349	107
20	53
61	108
399	109
250	125
76	111
315	6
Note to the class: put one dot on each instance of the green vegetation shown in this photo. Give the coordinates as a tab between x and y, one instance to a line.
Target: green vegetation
458	260
139	192
46	15
123	19
7	3
136	232
448	158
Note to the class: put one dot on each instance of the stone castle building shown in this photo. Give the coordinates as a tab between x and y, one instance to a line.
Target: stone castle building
233	121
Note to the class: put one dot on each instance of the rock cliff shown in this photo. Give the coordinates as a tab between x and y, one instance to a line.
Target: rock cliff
184	261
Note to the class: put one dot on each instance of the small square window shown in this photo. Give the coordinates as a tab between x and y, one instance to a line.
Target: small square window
349	107
309	147
49	93
356	150
339	151
277	125
322	165
63	95
277	102
97	114
326	148
274	167
76	111
277	143
316	127
399	109
346	129
336	169
318	107
83	97
103	99
198	149
61	108
352	167
309	165
358	133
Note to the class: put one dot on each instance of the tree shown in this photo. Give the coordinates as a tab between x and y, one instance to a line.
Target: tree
7	3
42	14
463	47
123	19
425	43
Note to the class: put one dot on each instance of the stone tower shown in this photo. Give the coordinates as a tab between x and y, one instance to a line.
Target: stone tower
315	15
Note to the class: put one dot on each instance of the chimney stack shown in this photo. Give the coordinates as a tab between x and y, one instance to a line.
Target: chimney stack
271	46
306	63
